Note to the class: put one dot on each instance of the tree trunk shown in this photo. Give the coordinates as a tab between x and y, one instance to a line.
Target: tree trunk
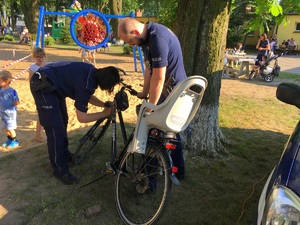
13	15
115	9
30	9
3	16
244	41
202	29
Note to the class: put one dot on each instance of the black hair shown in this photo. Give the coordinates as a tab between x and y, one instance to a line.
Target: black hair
107	78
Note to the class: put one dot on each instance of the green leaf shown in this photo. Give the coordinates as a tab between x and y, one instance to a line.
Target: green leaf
254	24
279	19
276	10
261	28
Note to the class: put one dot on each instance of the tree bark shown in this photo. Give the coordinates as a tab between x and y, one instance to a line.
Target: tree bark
115	9
13	9
202	28
30	9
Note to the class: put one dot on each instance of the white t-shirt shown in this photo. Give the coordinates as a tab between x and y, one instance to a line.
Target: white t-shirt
272	45
292	43
35	67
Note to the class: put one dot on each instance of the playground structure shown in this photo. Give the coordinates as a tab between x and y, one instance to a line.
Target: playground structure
89	29
56	29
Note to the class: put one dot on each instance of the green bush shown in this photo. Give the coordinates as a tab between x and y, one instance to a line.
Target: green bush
9	37
233	39
127	49
66	37
49	40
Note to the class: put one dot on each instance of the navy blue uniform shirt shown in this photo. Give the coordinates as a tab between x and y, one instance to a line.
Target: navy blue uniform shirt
162	48
74	80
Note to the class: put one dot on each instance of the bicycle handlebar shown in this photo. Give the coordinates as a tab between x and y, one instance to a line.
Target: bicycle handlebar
129	88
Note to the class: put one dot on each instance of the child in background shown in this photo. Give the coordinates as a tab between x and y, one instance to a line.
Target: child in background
39	57
261	63
8	111
84	55
92	57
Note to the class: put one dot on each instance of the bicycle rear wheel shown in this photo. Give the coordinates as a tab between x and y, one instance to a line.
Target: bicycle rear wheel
90	139
143	186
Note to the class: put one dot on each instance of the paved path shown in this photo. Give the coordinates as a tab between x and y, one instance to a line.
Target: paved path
289	63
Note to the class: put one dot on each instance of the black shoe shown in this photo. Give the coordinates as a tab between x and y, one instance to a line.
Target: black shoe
70	156
180	176
69	179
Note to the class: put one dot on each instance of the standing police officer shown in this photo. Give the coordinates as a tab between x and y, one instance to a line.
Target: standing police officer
164	65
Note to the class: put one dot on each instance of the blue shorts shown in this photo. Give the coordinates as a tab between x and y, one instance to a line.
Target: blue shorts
9	119
83	53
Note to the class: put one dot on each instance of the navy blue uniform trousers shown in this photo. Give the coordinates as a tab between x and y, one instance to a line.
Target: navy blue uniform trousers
53	115
177	157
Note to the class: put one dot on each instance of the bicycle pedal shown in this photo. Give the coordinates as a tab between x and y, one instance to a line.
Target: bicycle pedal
108	171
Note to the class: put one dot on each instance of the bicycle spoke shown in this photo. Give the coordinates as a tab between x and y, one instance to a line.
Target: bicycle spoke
93	137
143	186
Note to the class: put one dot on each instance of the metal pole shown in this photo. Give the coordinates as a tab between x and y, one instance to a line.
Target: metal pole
40	24
141	59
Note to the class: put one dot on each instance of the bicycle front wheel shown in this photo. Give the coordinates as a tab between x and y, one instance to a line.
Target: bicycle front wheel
90	139
143	186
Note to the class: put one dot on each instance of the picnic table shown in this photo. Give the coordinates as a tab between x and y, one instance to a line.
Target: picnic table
232	59
243	60
245	63
235	58
240	53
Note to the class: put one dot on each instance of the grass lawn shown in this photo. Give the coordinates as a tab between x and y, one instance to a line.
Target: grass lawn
216	191
292	76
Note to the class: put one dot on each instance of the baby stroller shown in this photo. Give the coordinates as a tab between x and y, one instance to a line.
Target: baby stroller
266	71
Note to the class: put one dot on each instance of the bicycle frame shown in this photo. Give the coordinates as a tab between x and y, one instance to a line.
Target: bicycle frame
155	135
113	117
96	133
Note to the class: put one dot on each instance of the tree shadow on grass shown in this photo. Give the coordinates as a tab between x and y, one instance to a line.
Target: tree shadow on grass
214	188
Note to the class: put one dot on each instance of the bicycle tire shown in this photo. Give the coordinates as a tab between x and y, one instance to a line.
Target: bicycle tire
94	135
143	186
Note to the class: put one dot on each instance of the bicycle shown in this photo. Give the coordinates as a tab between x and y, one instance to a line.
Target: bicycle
144	176
97	132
